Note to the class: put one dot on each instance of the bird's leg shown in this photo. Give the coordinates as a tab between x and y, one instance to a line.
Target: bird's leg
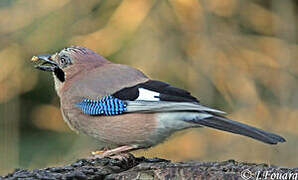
99	151
116	151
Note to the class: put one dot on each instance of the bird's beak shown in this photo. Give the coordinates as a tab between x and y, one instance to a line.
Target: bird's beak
45	63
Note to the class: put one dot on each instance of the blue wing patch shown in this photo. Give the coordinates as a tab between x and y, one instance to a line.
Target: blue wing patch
108	106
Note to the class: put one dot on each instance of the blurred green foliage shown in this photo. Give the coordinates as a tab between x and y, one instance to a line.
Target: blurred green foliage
236	55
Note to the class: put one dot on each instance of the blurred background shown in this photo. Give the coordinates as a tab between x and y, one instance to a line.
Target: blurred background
240	56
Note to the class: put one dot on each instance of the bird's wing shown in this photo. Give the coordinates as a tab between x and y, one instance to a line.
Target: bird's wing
146	97
157	96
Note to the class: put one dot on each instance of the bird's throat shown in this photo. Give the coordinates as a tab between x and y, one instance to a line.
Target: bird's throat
59	74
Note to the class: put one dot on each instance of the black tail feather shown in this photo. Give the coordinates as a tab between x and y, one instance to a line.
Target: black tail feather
222	123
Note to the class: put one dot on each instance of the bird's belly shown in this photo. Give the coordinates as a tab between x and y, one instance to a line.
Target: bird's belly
125	129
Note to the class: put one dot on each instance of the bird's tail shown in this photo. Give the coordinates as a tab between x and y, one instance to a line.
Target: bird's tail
222	123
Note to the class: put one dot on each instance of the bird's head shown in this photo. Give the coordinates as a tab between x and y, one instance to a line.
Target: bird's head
68	62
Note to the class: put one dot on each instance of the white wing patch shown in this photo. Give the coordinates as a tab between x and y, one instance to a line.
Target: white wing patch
147	95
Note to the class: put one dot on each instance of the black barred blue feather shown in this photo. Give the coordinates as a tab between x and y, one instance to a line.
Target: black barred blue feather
108	106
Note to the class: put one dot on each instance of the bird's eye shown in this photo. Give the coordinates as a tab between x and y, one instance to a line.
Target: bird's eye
64	61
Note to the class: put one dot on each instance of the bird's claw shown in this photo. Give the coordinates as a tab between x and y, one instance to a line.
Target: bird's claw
94	153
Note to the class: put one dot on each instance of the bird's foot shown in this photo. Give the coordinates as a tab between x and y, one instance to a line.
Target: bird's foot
112	152
93	153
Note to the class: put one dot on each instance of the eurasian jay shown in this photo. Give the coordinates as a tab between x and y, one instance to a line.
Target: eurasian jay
123	108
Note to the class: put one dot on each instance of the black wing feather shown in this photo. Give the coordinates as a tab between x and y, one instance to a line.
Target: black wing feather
167	92
130	93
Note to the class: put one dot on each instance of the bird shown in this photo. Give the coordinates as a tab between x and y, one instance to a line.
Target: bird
126	110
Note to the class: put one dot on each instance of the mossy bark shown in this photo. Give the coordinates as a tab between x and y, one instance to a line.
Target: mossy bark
142	168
